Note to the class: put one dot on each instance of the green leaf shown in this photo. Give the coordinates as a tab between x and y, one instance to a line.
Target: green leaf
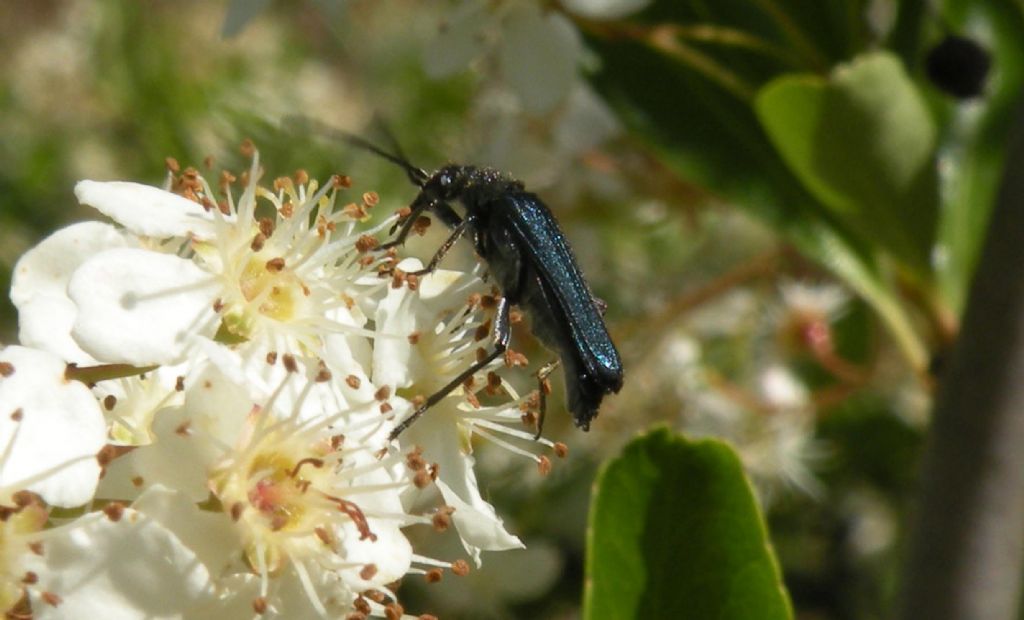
863	143
675	533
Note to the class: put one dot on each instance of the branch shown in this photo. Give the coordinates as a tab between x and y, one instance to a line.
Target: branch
967	543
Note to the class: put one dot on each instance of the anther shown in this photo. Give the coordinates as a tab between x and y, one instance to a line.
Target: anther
393	611
421	225
365	243
421	479
22	499
368	572
515	358
460	568
247	148
493	383
442	519
114	511
258	241
289	362
325	536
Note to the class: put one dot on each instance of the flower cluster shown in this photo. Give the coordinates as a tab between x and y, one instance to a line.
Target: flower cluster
196	421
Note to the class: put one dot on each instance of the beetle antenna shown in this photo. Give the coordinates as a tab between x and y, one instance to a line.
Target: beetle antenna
298	123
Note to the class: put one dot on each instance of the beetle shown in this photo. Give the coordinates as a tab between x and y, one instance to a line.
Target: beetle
533	266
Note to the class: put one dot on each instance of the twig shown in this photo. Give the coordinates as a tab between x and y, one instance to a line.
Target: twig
967	543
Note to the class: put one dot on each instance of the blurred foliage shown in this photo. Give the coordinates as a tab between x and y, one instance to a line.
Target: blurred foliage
760	144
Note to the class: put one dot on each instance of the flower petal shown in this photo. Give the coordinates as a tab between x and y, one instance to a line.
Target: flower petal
209	535
148	211
129	569
50	429
140	307
479	526
539	55
458	42
39	286
604	9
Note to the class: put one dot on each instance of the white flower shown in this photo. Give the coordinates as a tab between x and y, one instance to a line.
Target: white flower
303	503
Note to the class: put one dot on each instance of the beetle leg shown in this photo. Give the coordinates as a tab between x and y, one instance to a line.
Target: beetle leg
441	209
502	333
447	245
406	225
543	387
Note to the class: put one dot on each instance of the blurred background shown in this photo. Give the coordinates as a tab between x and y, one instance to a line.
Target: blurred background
781	202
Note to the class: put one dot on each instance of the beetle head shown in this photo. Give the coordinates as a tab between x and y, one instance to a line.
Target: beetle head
447	184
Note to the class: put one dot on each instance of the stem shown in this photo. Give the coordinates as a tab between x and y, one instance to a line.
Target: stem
967	543
90	375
